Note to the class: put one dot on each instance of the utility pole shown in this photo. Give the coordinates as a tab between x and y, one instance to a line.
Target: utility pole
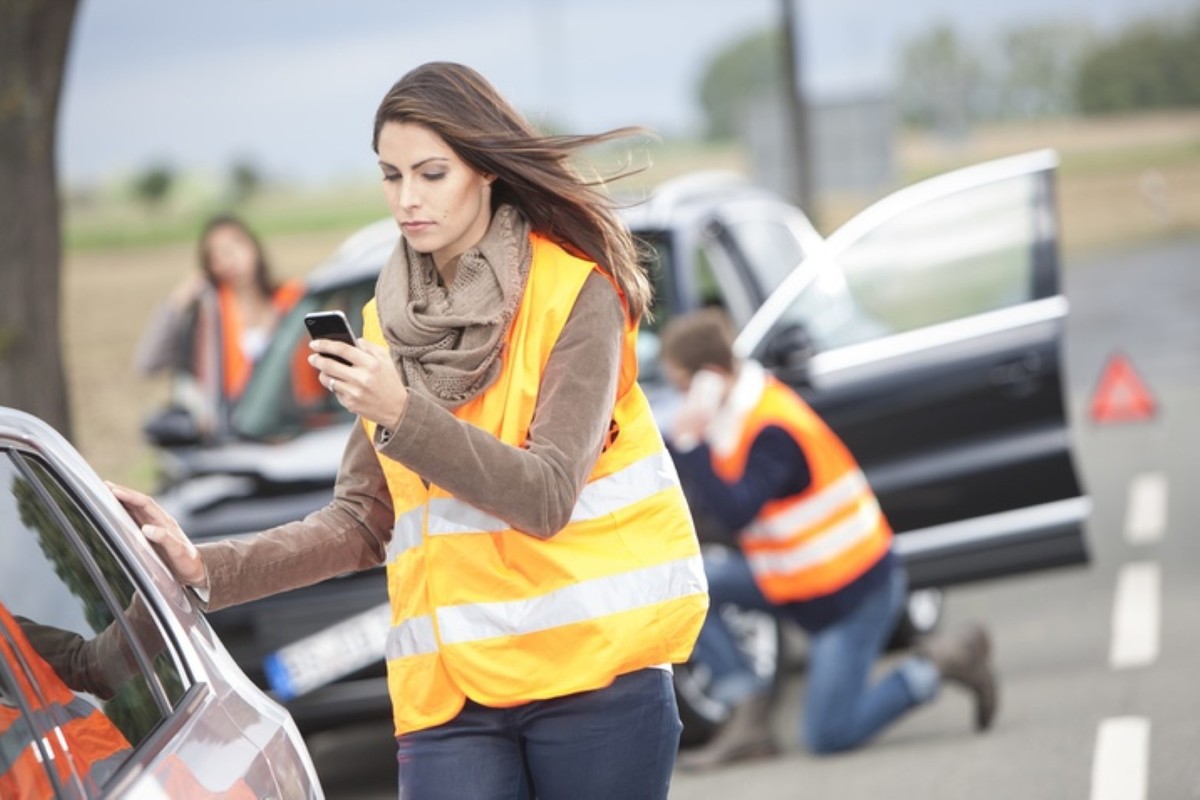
803	193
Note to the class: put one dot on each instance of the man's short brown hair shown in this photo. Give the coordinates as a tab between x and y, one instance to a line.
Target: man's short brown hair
698	339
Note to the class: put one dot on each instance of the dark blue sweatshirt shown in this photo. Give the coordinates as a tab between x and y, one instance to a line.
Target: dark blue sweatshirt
775	468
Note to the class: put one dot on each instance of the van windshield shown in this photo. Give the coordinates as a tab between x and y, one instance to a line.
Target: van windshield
284	398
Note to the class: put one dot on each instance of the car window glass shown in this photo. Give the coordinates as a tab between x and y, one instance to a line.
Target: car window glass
708	289
68	603
654	254
284	397
770	248
720	280
959	255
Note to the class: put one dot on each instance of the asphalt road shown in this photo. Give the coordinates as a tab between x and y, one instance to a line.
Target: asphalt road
1100	666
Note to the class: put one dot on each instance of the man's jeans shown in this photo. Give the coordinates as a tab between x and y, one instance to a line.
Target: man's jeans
842	708
619	741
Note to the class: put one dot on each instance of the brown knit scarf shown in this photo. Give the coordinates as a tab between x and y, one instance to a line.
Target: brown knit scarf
445	340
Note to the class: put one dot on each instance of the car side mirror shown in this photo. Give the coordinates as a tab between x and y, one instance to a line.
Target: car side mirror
174	426
788	350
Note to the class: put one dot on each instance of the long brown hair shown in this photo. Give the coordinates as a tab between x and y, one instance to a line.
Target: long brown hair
533	172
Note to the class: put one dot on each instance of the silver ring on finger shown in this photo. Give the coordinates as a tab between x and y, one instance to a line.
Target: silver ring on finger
333	385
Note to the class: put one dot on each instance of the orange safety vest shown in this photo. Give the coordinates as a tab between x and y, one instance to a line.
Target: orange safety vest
224	324
818	541
481	610
86	743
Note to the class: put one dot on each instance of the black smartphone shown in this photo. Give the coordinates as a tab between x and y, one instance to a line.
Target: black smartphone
330	325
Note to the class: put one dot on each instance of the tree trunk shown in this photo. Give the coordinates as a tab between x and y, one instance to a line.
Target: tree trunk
34	35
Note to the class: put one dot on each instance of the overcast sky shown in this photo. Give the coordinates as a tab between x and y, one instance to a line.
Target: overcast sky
293	84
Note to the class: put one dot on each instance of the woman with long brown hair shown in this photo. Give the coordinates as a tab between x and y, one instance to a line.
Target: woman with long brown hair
214	325
543	572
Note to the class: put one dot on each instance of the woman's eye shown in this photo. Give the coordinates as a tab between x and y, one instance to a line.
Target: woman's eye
391	177
434	176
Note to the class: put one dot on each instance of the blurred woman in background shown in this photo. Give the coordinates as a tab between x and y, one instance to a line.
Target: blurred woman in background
215	325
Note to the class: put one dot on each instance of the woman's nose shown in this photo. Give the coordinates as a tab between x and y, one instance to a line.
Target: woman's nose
408	195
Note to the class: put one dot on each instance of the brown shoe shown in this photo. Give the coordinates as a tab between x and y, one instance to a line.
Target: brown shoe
965	658
746	734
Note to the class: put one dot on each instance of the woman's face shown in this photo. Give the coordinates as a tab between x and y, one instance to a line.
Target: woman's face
231	255
442	205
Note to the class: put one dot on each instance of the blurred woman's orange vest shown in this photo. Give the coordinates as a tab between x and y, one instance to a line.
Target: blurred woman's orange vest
227	366
87	743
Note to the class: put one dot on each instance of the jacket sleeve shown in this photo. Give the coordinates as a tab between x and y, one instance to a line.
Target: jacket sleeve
101	665
532	488
349	534
775	467
163	344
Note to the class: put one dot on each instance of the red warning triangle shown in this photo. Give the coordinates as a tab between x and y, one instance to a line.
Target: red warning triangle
1121	396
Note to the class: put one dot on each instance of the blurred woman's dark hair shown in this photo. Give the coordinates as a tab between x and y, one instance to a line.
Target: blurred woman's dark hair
262	271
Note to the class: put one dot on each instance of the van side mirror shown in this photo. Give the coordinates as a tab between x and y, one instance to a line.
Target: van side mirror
174	426
788	350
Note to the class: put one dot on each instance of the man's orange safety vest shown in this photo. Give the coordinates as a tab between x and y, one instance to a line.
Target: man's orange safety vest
814	543
86	743
481	610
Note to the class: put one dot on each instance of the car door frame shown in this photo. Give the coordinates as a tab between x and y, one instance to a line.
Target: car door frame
960	547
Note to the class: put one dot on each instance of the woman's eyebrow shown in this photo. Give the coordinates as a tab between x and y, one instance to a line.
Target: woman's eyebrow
418	164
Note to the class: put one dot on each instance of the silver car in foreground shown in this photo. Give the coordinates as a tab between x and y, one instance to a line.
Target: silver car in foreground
112	683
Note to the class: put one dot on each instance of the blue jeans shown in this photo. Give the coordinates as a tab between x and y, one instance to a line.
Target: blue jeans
842	708
615	742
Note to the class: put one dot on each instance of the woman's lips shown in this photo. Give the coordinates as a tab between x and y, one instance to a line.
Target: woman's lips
416	226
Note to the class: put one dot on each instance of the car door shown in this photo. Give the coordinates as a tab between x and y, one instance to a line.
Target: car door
927	332
95	707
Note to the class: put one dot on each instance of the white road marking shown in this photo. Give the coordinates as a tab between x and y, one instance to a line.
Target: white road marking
1135	619
1120	763
1146	512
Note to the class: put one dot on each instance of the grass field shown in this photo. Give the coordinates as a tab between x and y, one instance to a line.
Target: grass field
1122	180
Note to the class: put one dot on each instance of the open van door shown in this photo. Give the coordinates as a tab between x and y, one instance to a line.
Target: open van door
927	332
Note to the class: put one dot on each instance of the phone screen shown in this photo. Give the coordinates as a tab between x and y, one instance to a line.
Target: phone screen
330	325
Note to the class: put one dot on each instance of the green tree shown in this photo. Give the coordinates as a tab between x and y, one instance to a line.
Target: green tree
1039	69
747	69
244	181
34	37
940	80
153	184
1150	65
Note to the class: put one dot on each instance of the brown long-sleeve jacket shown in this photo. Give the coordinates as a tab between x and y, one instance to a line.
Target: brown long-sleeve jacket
532	488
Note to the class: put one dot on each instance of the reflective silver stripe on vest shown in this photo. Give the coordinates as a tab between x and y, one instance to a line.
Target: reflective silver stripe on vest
13	742
412	637
406	533
586	600
576	603
640	480
448	515
18	737
823	548
837	495
100	771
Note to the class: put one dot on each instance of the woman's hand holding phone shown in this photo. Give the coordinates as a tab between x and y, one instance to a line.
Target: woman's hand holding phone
361	374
